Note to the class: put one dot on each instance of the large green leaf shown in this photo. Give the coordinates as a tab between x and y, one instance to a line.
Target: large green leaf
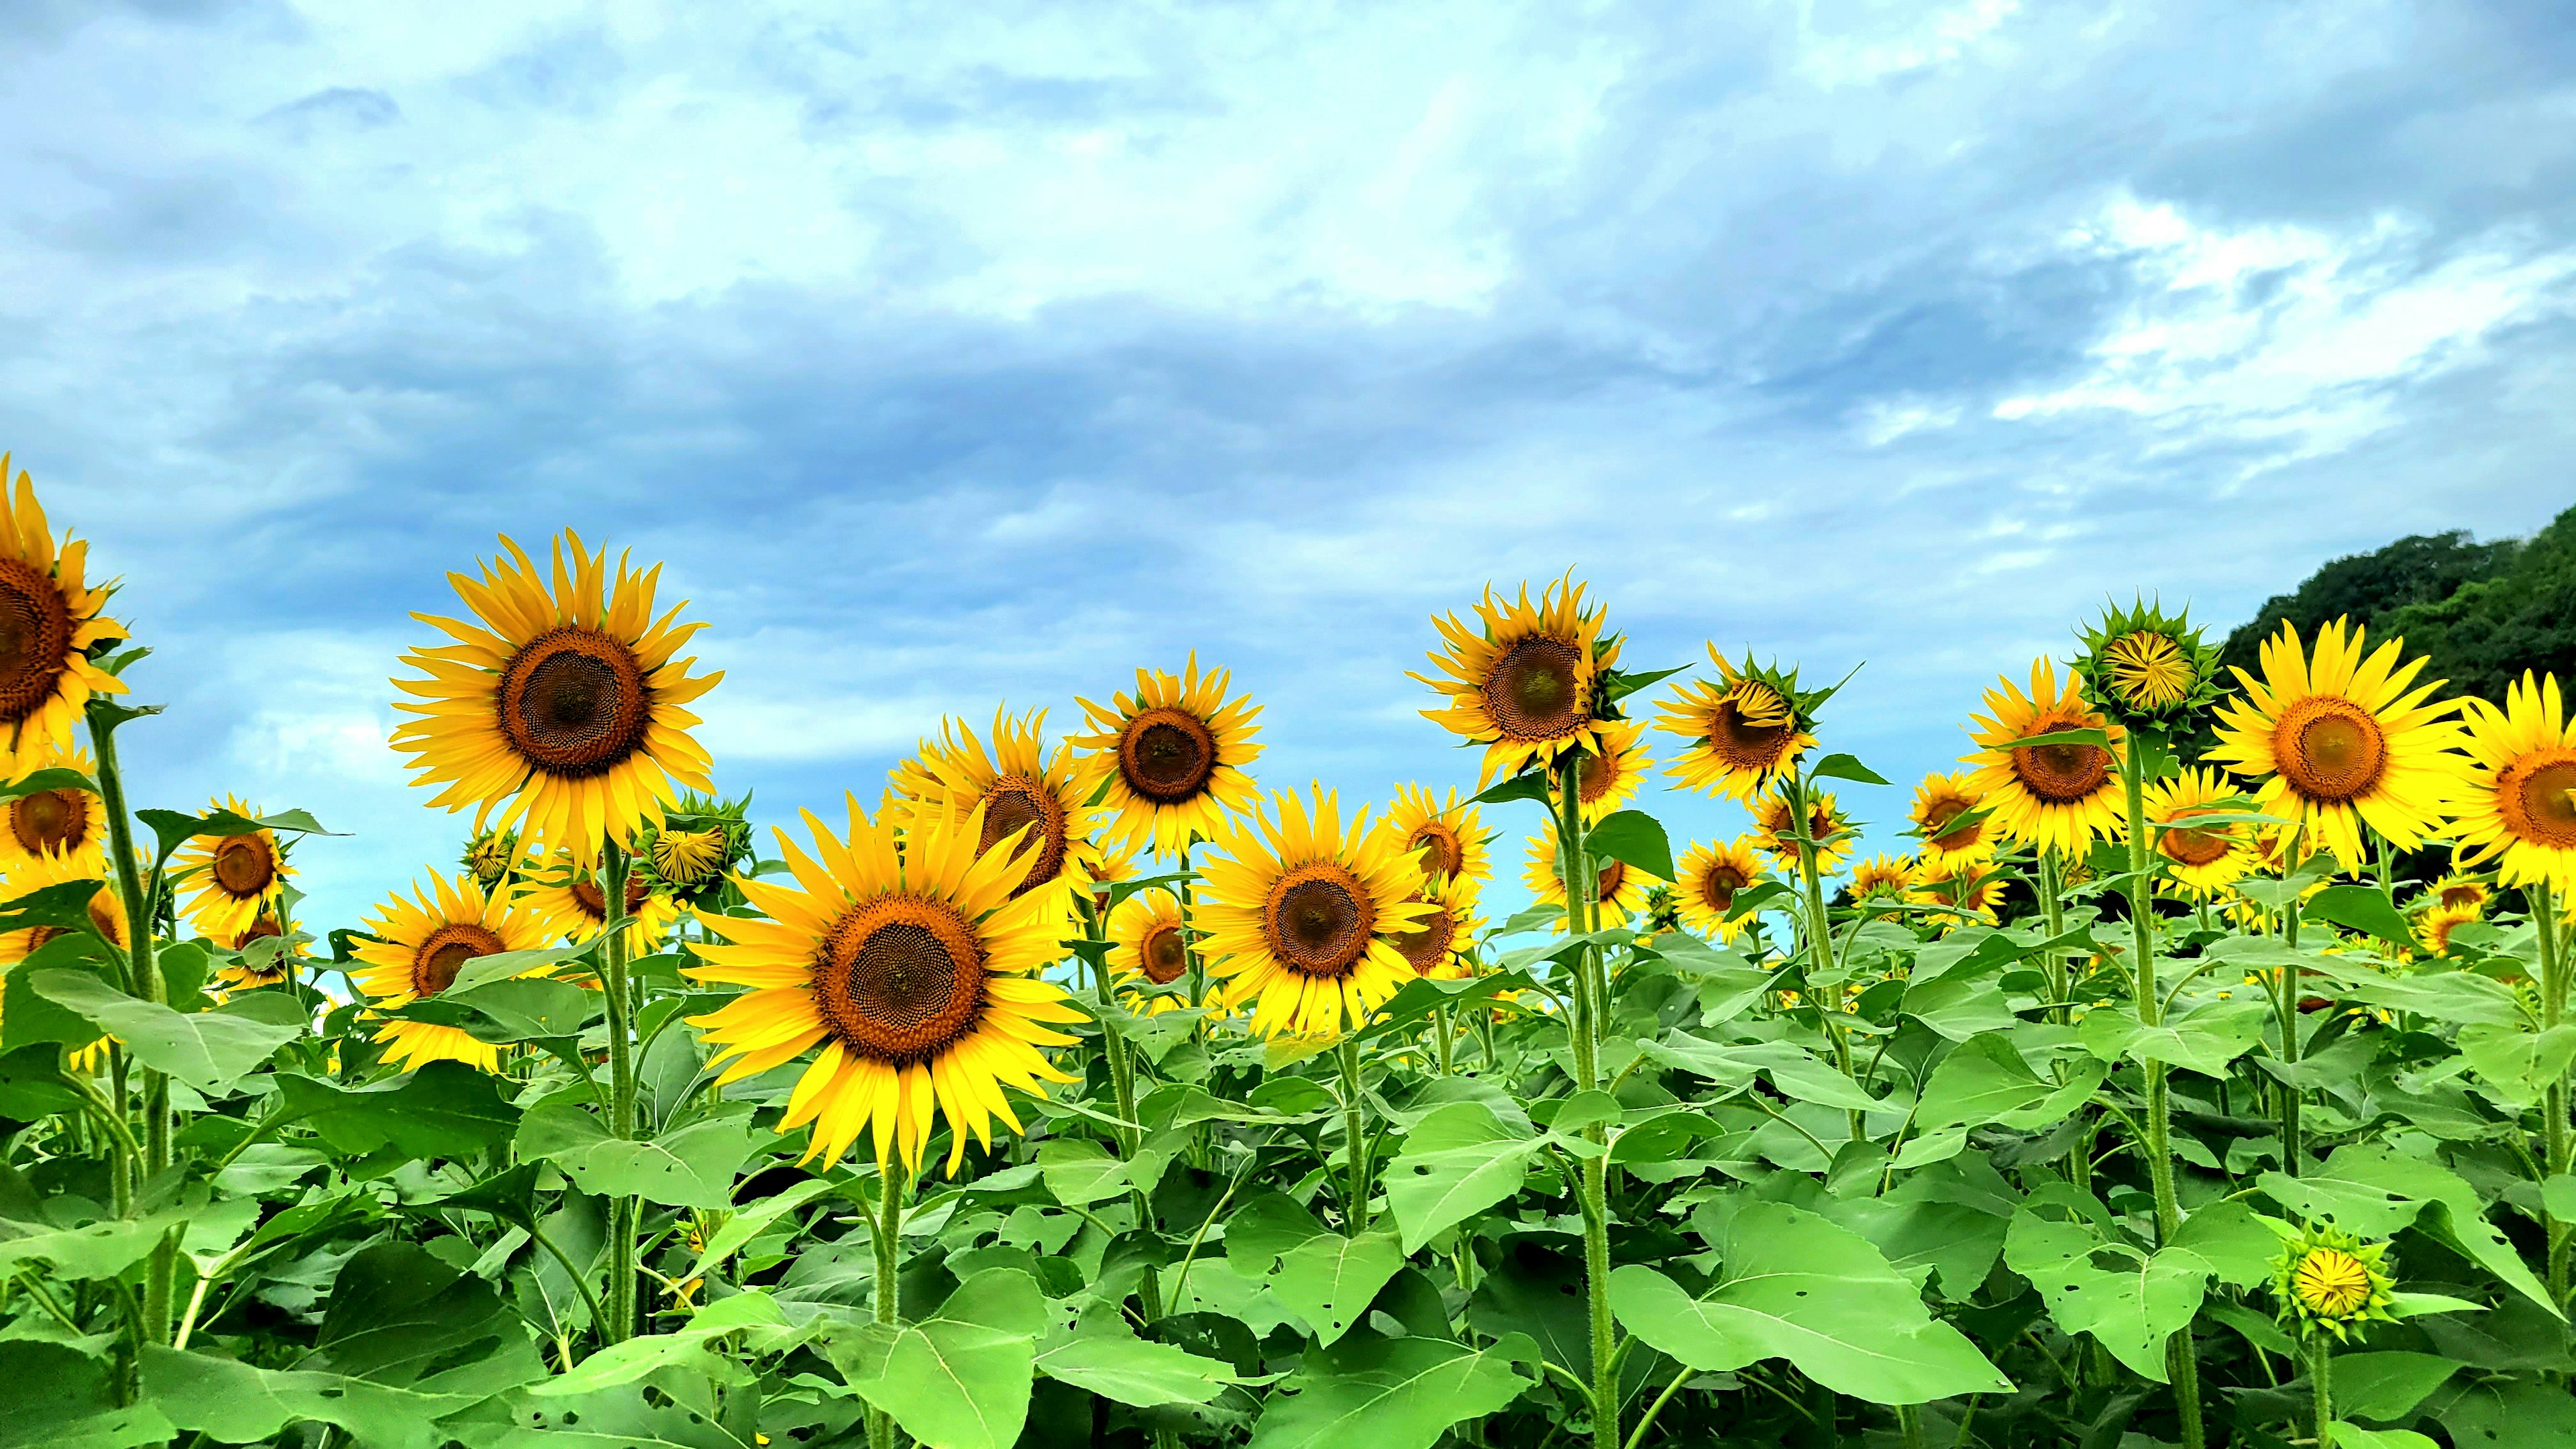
2518	1065
93	1250
960	1379
445	1109
1635	837
57	1397
1985	1080
1080	1171
2364	908
2387	1386
1456	1162
2204	1039
396	1312
1118	1365
624	1363
1322	1276
691	1167
1400	1393
1793	1285
2132	1307
208	1050
2372	1191
743	1226
235	1403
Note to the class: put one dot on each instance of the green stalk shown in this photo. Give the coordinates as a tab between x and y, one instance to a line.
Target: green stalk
2554	1134
1820	941
2285	1009
1576	873
886	1293
2321	1378
1355	1219
1122	1083
623	1213
2184	1366
144	978
1443	1031
2052	889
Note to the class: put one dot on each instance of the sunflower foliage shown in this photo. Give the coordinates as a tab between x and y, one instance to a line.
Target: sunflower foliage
962	1121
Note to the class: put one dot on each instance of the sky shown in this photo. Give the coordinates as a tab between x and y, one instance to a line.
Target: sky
953	355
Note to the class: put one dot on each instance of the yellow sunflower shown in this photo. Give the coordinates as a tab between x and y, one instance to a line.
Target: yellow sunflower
1883	878
106	908
1621	888
1436	946
1117	863
2341	740
1168	760
2519	808
1303	918
243	975
1024	794
230	879
1450	837
570	897
49	618
1150	947
51	822
1605	780
2433	928
2199	861
1521	681
1712	874
1941	799
1743	735
2455	890
2059	796
422	941
1773	828
912	967
563	708
1964	885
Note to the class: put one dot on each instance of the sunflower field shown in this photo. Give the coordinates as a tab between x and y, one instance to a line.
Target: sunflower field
1084	1091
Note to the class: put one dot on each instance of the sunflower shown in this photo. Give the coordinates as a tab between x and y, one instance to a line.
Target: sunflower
1605	780
106	907
1149	947
1964	885
1303	918
1522	682
1774	827
1168	760
246	975
2057	796
1883	878
1663	915
421	942
2519	808
562	708
2455	890
1024	794
1711	876
232	878
493	856
689	858
2200	861
570	897
1742	735
2341	740
2145	667
49	620
1941	799
1436	946
52	822
1451	837
2434	927
2329	1281
913	968
1620	888
1117	863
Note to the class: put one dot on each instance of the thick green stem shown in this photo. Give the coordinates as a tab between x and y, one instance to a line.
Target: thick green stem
144	978
1592	1007
1820	943
1442	1032
886	1293
1355	1214
2052	899
623	1213
2184	1366
2321	1379
2557	1146
2285	1008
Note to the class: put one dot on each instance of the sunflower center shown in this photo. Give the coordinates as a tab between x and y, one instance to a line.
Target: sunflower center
1607	880
2332	1283
244	866
2193	847
1940	815
1718	888
1018	803
2329	748
1747	743
900	980
1167	755
264	927
1164	954
2532	794
1317	920
35	638
1426	944
101	915
49	820
2061	774
1532	692
1445	854
435	964
2454	897
594	901
574	702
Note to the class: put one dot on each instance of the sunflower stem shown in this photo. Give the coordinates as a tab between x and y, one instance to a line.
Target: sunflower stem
623	1212
886	1293
1820	941
2052	896
1442	1031
2321	1380
2554	1134
1574	868
2183	1364
1355	1217
145	981
2285	1008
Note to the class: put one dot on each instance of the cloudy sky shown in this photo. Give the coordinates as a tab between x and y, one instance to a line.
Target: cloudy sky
956	354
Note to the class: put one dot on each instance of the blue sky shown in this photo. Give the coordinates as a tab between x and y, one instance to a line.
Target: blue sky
956	354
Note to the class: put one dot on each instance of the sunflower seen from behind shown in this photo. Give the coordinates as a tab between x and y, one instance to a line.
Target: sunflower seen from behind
1026	794
1167	762
229	880
1618	887
49	623
1302	912
1742	734
2060	796
2518	807
561	705
1950	820
421	942
1713	873
2343	739
2200	860
911	964
1522	679
1149	949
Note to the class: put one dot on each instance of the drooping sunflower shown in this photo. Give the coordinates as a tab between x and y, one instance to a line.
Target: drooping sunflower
1941	799
1024	793
421	942
1883	879
570	897
2456	890
1302	916
1965	885
912	966
562	708
1619	888
2200	860
51	822
2434	927
1150	945
1663	915
2060	796
1436	946
2343	739
1450	837
1521	681
230	879
2519	808
1774	827
1168	760
49	620
1605	780
1743	734
1713	873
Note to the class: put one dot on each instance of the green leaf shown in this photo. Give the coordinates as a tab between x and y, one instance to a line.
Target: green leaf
1120	1366
1846	767
207	1050
2387	1386
2372	1192
445	1109
2353	1436
1527	785
750	1222
505	965
63	907
2060	737
27	1017
1985	1080
620	1418
2204	1039
1793	1285
59	1398
1329	1279
1399	1393
690	1167
1635	837
1456	1162
396	1313
2462	997
1790	1067
96	1250
2233	1240
1961	1005
234	1403
2131	1309
2519	1066
1079	1171
624	1363
37	782
960	1379
2364	908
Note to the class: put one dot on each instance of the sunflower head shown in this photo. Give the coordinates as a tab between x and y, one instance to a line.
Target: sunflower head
1031	800
1447	836
1305	915
68	820
699	844
2146	668
573	899
50	630
2329	1281
1149	943
1968	888
492	856
1951	820
2434	927
2201	853
1168	760
1883	878
1713	874
421	942
1663	913
2059	795
1527	681
1828	829
2518	804
2456	890
230	879
1618	887
1743	732
1438	944
1607	776
106	905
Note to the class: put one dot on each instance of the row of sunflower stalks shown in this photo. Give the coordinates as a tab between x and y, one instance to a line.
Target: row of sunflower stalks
2116	1108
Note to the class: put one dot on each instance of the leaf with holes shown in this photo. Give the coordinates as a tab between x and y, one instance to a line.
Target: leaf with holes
1456	1162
